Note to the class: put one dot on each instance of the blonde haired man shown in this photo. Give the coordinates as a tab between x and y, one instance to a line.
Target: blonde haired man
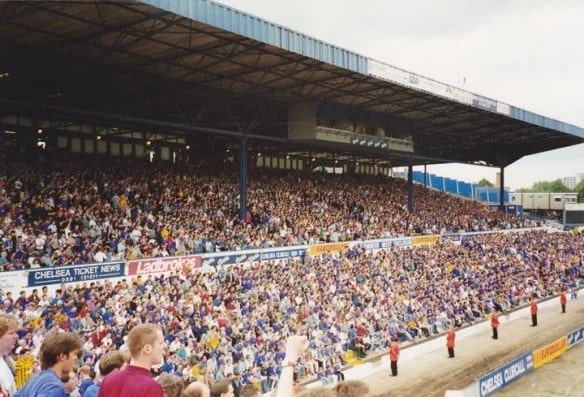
146	346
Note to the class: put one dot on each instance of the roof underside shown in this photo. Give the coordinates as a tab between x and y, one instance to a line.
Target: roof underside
199	64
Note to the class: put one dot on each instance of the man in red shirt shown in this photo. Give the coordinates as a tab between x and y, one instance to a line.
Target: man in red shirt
146	346
563	301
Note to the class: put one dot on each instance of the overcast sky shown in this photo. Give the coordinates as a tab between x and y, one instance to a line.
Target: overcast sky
527	53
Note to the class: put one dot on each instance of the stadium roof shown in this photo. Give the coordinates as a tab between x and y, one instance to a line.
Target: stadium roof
196	65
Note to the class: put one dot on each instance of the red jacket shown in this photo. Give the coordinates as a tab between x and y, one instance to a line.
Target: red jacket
563	298
394	351
450	338
533	306
494	320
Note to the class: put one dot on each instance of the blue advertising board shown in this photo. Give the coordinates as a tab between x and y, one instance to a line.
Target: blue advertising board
388	243
73	274
575	337
270	255
505	375
230	259
450	237
233	258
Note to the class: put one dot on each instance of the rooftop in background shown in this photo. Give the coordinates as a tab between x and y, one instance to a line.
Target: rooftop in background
195	66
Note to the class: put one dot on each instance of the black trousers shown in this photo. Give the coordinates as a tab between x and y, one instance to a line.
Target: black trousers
394	368
534	320
495	333
563	308
451	352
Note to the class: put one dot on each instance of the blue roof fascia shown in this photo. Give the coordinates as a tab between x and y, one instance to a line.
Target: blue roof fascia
246	25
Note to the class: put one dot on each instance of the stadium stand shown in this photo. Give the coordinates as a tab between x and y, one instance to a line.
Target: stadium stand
235	320
66	213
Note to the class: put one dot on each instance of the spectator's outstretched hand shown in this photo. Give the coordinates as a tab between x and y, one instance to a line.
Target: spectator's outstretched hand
296	345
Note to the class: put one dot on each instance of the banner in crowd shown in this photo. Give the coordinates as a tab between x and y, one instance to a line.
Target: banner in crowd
547	353
270	255
575	337
329	248
231	258
424	240
402	242
75	274
503	376
383	244
450	237
12	281
178	264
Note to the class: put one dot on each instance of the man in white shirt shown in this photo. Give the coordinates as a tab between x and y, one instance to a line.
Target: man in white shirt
8	337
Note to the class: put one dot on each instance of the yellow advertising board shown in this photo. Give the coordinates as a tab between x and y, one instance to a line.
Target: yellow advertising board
424	240
319	249
547	353
23	369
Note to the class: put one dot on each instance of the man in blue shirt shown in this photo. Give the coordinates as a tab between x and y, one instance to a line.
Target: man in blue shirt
58	357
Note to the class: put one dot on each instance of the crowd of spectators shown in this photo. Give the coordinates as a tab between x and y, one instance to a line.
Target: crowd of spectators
232	323
95	210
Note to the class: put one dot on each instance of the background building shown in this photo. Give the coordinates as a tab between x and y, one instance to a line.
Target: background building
570	181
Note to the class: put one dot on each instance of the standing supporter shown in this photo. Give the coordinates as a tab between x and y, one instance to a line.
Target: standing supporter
450	342
8	338
58	357
196	389
495	324
109	362
86	379
248	391
146	346
71	382
172	385
222	388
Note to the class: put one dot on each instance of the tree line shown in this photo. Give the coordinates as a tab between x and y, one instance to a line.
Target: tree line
555	186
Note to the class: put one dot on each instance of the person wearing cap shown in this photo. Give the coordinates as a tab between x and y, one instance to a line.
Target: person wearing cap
393	355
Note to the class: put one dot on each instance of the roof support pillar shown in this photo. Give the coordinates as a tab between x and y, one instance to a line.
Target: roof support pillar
243	156
502	190
410	185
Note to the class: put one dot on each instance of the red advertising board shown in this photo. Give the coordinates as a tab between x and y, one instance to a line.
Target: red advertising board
177	264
